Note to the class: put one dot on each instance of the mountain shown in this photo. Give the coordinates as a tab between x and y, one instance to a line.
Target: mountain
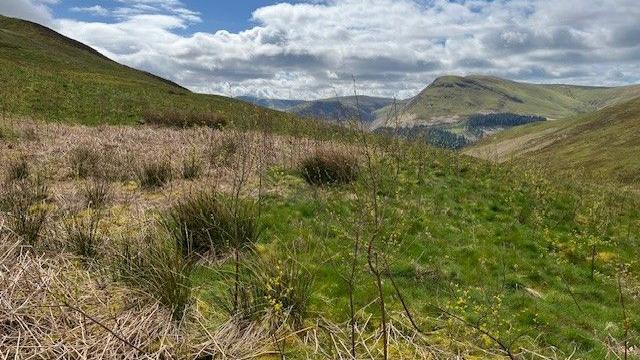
452	99
275	104
344	108
602	144
44	74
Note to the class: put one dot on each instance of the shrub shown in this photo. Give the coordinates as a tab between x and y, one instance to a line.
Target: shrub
96	194
278	289
154	174
25	205
159	268
172	118
329	167
191	168
82	233
204	223
84	161
18	170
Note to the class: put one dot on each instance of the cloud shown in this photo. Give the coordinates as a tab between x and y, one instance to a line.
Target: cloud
392	47
34	10
93	10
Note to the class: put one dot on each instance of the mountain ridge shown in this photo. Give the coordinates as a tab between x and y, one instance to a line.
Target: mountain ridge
450	99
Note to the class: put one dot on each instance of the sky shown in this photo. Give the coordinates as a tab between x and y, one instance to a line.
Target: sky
315	49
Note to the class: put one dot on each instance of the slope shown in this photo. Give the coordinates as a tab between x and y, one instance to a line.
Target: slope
46	75
332	109
603	144
451	99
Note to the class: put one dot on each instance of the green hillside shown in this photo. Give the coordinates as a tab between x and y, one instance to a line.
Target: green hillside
604	144
46	75
450	99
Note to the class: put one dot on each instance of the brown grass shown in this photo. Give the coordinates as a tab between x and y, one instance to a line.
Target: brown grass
185	120
50	308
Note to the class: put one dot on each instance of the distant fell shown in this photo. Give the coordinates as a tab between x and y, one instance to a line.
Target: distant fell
452	99
336	109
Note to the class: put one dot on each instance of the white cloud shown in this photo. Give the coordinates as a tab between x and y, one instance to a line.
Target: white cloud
93	10
393	47
34	10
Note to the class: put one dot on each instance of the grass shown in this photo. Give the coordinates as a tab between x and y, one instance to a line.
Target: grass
83	236
158	267
18	169
192	167
97	194
275	288
7	132
466	242
599	146
210	223
24	203
185	120
329	167
154	174
84	161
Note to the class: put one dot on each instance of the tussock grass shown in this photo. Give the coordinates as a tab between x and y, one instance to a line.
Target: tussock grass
82	231
328	167
223	152
192	167
18	169
210	223
157	266
24	203
275	288
84	161
7	132
185	120
154	174
96	193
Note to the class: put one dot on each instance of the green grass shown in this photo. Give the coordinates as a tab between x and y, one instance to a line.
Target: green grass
503	247
600	146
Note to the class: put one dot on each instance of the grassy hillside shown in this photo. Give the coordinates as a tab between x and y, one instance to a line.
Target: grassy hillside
603	145
450	99
46	75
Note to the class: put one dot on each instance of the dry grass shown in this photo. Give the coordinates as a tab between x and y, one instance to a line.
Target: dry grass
51	308
121	148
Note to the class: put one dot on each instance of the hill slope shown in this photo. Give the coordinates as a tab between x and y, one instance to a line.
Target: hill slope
332	109
46	75
450	99
604	143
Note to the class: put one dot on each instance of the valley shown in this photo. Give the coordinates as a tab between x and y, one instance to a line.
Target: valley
483	218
